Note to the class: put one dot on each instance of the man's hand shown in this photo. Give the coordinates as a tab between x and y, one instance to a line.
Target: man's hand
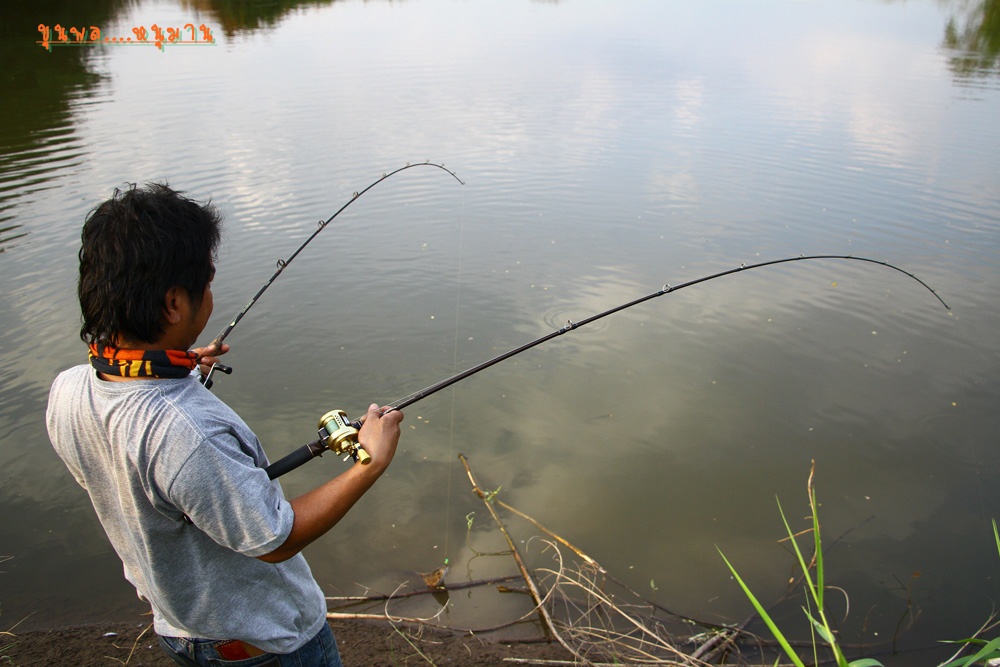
319	510
379	434
209	355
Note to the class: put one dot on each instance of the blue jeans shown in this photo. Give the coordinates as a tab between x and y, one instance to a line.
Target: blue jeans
320	651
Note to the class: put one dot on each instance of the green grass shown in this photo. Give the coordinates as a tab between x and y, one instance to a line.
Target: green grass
981	650
988	649
7	638
814	582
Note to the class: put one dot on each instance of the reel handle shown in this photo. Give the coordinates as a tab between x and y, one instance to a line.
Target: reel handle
207	379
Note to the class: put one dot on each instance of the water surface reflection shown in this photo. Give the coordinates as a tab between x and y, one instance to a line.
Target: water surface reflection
607	149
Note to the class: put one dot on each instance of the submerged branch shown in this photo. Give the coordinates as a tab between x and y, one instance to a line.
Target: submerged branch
528	579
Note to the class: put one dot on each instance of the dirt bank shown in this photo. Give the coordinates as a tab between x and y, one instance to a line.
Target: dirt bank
361	645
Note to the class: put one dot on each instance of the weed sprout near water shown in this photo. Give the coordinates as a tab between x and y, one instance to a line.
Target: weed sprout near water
813	579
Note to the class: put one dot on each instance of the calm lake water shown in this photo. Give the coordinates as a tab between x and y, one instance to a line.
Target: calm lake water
607	149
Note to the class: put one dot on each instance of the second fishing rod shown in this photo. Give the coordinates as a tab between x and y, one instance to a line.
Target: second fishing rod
283	264
339	434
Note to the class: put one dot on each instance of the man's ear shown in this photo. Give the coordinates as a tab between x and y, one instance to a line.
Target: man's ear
175	304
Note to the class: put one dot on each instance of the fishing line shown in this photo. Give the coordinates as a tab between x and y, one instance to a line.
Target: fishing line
283	263
339	434
454	368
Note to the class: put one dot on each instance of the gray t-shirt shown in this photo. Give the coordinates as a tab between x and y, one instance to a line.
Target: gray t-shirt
152	452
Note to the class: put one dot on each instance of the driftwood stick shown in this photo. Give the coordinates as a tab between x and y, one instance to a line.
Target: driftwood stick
426	623
600	568
696	656
587	559
569	663
381	597
528	579
344	616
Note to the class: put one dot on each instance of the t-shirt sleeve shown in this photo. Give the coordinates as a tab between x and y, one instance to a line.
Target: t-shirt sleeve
231	499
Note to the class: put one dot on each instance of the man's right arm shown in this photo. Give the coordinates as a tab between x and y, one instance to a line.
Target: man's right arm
319	510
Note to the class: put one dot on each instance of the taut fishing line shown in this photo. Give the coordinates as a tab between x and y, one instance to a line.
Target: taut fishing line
339	434
454	367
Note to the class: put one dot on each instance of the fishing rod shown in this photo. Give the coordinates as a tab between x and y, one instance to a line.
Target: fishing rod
283	263
339	434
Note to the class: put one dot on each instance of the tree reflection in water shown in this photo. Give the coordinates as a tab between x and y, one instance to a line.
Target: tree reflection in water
975	38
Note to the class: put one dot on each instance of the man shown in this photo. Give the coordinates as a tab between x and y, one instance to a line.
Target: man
176	477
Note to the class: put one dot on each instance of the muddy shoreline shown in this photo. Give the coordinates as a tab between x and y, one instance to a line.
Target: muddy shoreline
361	643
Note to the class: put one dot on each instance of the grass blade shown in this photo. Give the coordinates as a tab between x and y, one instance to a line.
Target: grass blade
793	656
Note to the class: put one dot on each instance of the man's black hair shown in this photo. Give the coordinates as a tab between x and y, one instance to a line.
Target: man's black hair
136	246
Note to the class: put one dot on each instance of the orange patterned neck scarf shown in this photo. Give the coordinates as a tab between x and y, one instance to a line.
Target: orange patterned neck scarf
142	363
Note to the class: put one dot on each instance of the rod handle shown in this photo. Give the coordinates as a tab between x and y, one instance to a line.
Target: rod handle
300	456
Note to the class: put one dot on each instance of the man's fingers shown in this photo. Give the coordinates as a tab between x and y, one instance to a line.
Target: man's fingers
211	351
379	412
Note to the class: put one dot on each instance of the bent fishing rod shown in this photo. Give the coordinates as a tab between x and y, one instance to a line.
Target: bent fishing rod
283	263
339	434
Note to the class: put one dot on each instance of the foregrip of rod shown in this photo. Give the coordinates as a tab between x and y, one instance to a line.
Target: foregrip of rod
300	456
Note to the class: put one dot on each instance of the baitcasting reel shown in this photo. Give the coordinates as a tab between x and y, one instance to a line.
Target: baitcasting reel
341	436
